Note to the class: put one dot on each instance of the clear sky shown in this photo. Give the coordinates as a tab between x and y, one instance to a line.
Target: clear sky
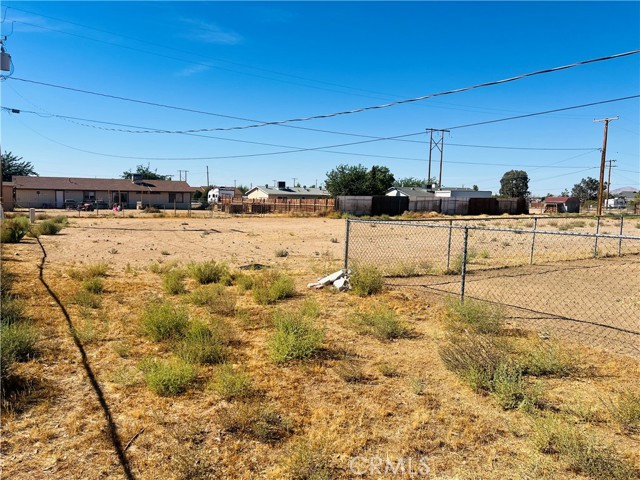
271	61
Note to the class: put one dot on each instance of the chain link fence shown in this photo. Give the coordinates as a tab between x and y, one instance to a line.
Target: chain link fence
571	277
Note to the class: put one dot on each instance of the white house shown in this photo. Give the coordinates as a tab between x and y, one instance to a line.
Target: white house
282	192
462	193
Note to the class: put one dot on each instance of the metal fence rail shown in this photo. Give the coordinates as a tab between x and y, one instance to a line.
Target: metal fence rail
579	284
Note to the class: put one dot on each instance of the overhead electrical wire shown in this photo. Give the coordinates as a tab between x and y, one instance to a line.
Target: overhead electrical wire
357	110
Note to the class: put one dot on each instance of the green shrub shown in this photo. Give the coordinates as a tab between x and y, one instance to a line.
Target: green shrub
295	337
232	384
480	316
244	281
161	320
366	280
14	230
216	298
93	285
208	272
203	343
173	282
11	310
272	286
306	461
6	281
17	343
474	358
60	219
388	370
99	269
380	322
48	227
581	452
510	390
87	299
168	377
625	411
161	268
548	359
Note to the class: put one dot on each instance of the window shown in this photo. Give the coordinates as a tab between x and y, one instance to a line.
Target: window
89	196
175	197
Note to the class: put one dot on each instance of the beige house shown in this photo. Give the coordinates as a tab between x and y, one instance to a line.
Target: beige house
54	192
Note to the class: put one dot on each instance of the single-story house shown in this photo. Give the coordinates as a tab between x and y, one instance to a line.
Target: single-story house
282	192
462	193
53	192
409	192
561	205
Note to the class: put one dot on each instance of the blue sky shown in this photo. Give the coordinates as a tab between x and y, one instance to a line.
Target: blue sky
271	61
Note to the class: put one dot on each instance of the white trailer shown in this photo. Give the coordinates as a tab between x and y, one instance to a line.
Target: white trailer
616	203
216	194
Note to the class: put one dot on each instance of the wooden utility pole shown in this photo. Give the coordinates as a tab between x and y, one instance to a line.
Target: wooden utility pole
602	161
609	182
207	175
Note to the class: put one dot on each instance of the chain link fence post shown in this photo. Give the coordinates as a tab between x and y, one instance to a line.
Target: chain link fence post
463	271
595	242
533	239
620	239
449	246
346	246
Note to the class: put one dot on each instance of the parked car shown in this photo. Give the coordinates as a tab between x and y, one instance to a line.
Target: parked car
70	205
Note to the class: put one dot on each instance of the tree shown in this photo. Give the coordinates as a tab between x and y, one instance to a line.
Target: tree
15	166
515	183
564	193
147	173
587	189
243	188
414	182
357	180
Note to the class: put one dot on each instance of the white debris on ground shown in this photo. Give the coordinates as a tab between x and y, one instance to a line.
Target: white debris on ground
339	279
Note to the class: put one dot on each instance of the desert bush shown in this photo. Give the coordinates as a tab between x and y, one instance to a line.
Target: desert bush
93	285
244	281
167	377
380	322
581	452
99	269
162	320
232	384
48	227
282	253
11	310
204	343
295	337
14	230
17	343
161	268
625	411
173	282
510	390
208	272
480	316
84	298
307	461
6	281
388	369
366	280
272	286
475	358
255	420
548	359
417	385
216	298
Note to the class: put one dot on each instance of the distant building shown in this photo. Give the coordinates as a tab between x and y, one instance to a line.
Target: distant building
462	192
561	205
282	192
409	192
55	192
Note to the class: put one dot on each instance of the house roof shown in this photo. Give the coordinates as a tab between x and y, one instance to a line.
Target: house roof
412	191
112	184
559	199
291	191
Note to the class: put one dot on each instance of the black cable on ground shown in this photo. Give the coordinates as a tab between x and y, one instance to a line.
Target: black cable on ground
111	426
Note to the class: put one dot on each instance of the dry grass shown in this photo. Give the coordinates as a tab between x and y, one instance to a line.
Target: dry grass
254	418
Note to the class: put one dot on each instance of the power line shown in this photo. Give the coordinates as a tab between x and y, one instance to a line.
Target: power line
357	110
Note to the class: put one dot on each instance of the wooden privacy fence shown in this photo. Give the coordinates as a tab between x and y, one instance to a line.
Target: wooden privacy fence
273	205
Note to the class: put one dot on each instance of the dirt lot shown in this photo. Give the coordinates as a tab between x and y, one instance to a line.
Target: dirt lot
55	425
